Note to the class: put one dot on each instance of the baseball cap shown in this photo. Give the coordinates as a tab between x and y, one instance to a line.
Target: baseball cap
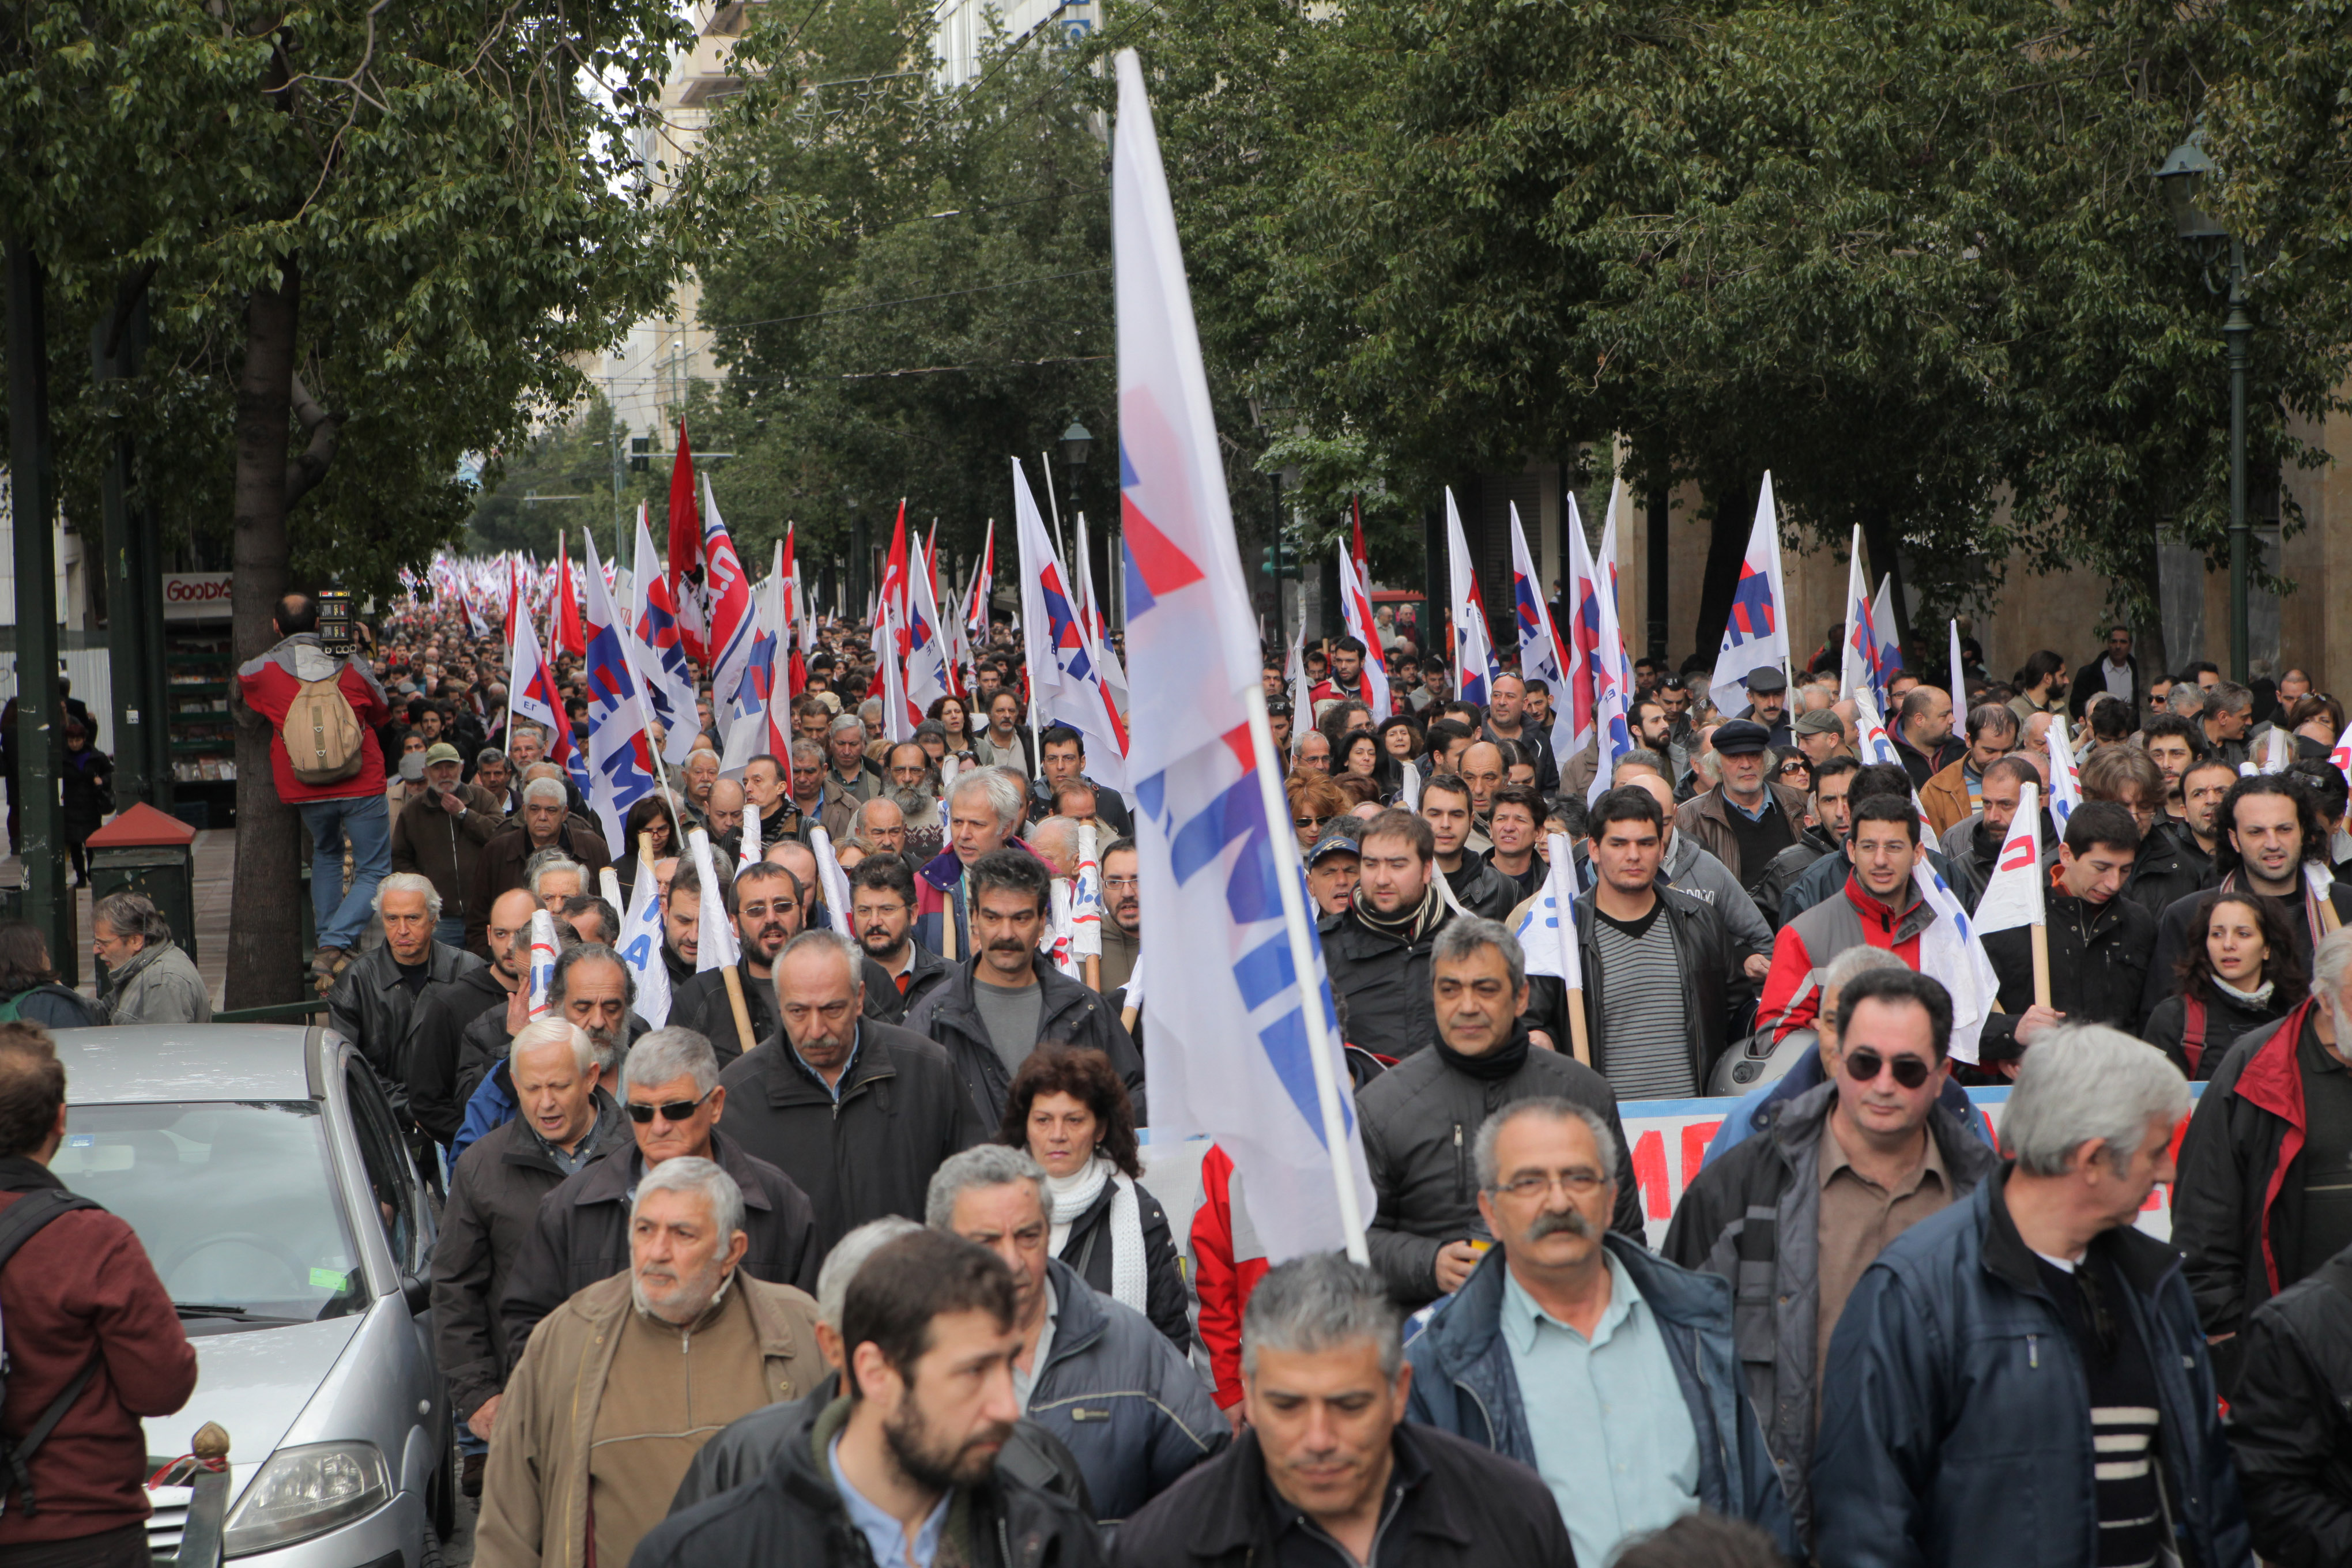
1741	737
442	752
1819	722
1339	841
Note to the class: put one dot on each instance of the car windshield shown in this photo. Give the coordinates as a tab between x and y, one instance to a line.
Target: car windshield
237	1204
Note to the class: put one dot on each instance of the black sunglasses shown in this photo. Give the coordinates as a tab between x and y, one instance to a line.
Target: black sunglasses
1863	1065
675	1110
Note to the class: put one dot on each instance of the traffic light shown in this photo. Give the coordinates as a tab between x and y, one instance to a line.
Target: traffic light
641	449
1281	560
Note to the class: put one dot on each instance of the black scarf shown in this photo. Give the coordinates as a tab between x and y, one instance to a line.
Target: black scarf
1494	1066
23	1173
1409	924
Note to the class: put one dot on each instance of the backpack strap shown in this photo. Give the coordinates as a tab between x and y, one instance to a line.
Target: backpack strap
2192	1031
18	1223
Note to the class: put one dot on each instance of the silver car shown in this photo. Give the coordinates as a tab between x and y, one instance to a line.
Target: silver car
264	1172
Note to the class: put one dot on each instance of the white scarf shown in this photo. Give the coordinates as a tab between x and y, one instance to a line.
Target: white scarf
2258	997
1074	1194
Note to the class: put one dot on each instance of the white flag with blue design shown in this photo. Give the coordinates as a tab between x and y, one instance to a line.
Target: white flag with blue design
1757	633
641	944
1547	929
1227	1036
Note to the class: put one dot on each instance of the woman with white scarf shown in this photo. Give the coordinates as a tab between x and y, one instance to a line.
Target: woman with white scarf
2243	976
1068	1109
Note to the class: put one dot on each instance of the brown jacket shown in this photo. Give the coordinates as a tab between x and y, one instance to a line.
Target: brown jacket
1703	817
499	868
535	1491
1945	798
445	849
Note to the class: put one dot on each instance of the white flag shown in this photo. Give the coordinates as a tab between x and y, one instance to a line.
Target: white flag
2013	897
1547	932
716	945
641	946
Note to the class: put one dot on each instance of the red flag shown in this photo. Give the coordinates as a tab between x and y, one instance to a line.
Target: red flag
685	521
570	635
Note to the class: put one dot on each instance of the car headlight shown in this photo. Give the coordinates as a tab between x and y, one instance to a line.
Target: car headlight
306	1491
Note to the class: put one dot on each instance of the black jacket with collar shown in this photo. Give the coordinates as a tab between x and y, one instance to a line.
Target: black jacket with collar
1481	889
2170	866
903	1110
1068	1014
435	1045
1385	980
1464	1507
581	1233
2098	967
792	1514
926	972
1785	867
1702	954
2290	1421
369	1006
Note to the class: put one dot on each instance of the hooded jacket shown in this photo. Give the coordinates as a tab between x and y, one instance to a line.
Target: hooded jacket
1068	1014
1420	1121
903	1110
268	686
1464	1381
792	1514
1792	991
1956	1431
1754	1219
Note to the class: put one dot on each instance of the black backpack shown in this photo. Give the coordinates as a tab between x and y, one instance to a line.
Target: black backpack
19	1223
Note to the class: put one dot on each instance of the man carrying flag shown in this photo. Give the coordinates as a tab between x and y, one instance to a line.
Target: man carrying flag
2090	963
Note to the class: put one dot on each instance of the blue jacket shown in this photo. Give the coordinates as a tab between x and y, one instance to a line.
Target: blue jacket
492	1107
1955	1423
1463	1382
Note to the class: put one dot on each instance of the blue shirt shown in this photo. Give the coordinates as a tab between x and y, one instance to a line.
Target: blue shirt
1612	1437
817	1077
883	1533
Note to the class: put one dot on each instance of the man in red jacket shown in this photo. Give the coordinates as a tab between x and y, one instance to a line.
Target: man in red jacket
351	808
1880	906
79	1292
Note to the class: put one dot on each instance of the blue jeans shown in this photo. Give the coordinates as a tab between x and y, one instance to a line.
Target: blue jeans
366	821
450	931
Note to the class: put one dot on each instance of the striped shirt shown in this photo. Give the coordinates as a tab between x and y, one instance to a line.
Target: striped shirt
1644	1036
2089	1297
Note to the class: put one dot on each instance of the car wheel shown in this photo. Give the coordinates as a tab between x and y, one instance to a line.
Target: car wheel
431	1555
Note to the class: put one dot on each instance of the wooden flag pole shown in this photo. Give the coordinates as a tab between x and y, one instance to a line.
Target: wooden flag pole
2040	965
1577	1038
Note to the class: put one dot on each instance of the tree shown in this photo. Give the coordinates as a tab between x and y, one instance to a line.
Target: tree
372	239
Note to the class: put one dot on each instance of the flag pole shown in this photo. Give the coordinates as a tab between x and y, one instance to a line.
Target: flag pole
1290	881
2040	965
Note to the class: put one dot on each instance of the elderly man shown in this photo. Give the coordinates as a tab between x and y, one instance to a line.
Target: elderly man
371	1001
1327	1456
724	816
1377	949
633	1373
1843	1169
2023	1378
552	877
1581	1353
670	1088
1089	1369
440	835
880	824
848	774
592	987
857	1111
882	913
1419	1116
1747	819
984	805
545	824
566	1120
994	1008
916	1463
701	771
149	978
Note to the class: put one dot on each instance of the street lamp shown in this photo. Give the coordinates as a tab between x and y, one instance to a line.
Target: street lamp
2183	175
1076	443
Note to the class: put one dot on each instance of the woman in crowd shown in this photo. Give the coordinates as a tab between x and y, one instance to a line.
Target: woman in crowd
1315	803
2244	974
1068	1109
649	818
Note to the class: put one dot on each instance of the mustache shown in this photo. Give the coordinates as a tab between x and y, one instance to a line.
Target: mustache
1552	1222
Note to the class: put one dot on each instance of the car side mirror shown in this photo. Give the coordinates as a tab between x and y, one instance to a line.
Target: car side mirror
417	1292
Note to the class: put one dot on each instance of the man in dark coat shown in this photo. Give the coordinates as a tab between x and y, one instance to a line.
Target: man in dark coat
581	1236
1377	949
373	999
857	1113
1008	997
437	1030
544	824
2291	1420
2099	941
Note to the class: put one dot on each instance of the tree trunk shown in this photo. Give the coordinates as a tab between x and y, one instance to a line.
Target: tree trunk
264	931
1727	548
1886	559
2147	623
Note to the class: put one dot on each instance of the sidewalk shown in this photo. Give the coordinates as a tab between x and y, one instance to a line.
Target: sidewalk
215	849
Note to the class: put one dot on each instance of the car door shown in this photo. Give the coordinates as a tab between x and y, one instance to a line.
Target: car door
399	1208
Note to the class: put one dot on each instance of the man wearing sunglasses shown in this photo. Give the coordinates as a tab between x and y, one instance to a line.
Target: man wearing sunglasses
671	1092
1844	1169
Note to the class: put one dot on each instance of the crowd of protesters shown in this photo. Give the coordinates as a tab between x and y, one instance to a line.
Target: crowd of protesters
872	1268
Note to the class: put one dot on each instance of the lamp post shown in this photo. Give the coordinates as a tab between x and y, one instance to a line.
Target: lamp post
2182	174
1075	445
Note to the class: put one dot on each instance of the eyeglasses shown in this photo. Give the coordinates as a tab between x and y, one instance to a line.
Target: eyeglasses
1864	1064
1117	884
675	1110
1580	1182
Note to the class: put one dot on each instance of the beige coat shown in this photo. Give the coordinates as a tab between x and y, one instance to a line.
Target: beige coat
535	1489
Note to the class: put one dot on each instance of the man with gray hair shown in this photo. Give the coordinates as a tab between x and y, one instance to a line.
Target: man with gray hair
984	807
545	822
2023	1378
2264	1198
2228	712
552	877
147	978
1092	1371
1329	1457
670	1090
625	1381
372	1000
1576	1351
1419	1117
848	775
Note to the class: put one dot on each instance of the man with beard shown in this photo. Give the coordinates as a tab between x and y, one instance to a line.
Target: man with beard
1087	1368
670	1090
682	918
1972	845
882	913
444	1014
907	1457
765	901
858	1113
994	1008
1122	929
633	1373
